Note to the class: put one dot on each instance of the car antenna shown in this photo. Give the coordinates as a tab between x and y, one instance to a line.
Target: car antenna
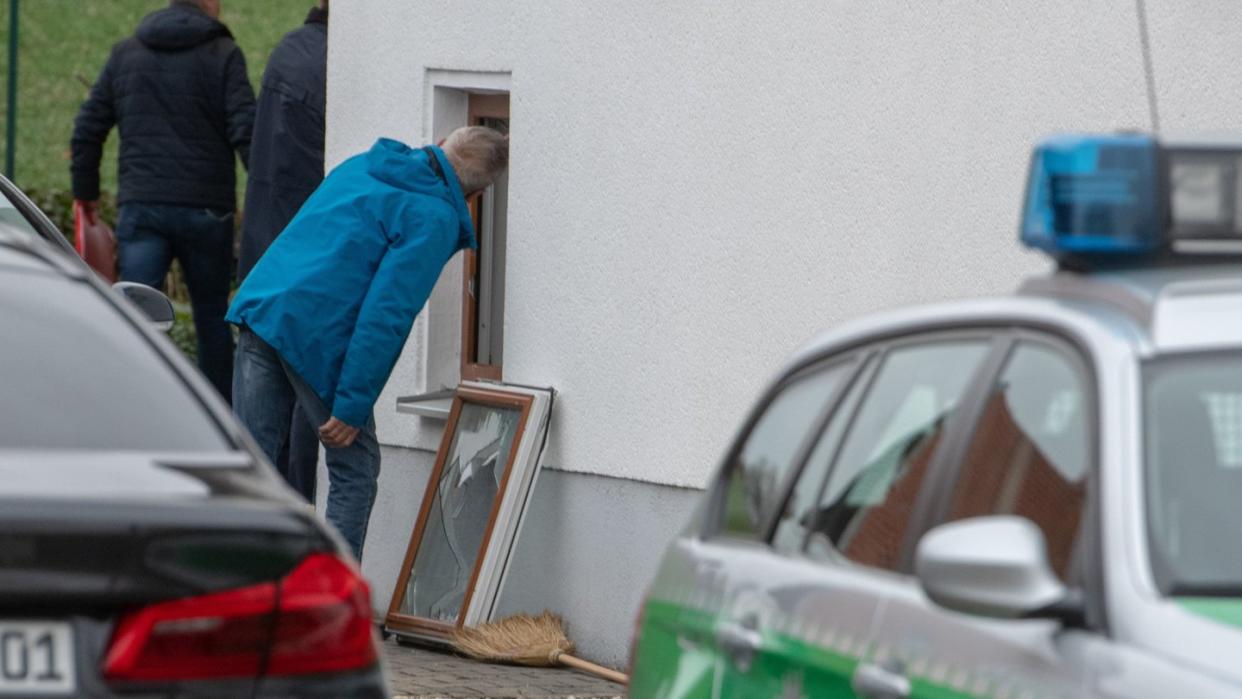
1148	72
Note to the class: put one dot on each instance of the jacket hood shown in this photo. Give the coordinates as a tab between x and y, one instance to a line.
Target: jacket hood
178	28
396	164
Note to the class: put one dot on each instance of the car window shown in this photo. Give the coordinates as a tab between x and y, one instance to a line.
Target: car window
77	375
799	511
1193	470
757	475
870	493
9	214
1029	452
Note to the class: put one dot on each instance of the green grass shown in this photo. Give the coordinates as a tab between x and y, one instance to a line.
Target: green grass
63	44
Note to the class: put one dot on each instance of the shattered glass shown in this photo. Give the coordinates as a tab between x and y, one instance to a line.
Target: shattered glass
466	493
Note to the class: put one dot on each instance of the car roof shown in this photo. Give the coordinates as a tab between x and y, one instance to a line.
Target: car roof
1176	307
1152	311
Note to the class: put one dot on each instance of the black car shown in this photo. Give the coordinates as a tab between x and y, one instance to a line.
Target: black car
146	546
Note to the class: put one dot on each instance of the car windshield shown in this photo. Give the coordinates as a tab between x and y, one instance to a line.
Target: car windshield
1193	450
77	375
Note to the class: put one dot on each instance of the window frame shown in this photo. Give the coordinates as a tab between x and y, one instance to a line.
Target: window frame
491	545
480	107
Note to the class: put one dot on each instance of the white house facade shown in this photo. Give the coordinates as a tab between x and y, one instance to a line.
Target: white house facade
698	187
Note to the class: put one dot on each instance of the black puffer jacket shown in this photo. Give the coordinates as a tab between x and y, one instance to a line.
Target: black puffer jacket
178	91
286	162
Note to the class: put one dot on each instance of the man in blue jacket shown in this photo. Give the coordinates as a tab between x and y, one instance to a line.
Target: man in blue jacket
325	312
286	165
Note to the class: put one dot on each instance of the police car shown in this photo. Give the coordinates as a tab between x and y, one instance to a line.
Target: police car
1038	495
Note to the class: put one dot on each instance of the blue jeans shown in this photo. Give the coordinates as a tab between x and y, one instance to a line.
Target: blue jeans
265	389
299	457
149	236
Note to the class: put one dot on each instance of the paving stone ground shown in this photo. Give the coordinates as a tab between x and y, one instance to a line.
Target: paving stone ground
418	673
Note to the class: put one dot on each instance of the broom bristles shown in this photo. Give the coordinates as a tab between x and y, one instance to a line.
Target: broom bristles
521	639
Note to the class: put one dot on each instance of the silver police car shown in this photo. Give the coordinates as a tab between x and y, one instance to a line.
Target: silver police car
1028	496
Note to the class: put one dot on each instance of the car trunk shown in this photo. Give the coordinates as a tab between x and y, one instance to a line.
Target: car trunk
91	540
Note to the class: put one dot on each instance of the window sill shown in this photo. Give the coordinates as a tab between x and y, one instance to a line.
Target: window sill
436	404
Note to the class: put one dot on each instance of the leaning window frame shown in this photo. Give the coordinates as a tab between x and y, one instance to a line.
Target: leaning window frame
504	519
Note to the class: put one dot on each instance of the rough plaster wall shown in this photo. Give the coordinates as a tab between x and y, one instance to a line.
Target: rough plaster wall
697	189
572	557
1195	56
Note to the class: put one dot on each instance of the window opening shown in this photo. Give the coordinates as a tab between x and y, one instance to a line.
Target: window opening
483	295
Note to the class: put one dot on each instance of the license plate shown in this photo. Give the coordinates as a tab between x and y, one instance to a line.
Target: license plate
36	657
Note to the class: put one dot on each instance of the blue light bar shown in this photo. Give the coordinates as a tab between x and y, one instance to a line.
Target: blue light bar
1096	196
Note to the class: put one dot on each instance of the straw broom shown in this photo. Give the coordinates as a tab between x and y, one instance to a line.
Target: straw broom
522	639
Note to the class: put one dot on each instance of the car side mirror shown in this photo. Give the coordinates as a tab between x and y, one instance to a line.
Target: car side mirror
994	566
153	303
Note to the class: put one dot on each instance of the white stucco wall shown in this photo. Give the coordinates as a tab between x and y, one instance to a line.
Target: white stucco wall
697	187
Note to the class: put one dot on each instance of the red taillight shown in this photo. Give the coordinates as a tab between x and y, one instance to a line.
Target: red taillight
325	620
316	619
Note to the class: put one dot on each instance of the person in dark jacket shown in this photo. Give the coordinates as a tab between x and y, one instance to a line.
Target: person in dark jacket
286	165
178	92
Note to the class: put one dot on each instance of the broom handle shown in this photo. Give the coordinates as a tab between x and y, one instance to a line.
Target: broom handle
597	670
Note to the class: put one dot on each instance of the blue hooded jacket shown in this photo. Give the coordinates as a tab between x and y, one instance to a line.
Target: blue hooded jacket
338	291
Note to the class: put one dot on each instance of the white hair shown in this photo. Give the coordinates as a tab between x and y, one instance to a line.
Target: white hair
478	155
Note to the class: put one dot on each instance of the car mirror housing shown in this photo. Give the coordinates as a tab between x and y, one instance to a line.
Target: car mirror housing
995	566
153	303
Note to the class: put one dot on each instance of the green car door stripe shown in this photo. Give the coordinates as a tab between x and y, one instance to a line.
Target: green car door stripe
1223	610
668	666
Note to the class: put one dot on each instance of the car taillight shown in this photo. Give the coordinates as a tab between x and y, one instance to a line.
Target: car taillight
324	621
316	619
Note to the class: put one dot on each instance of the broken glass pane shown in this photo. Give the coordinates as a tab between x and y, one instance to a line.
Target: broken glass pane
453	539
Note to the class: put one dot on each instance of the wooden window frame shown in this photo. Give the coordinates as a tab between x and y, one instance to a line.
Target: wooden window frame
428	628
481	106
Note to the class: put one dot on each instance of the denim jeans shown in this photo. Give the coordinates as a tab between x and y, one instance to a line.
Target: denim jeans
265	389
150	236
299	457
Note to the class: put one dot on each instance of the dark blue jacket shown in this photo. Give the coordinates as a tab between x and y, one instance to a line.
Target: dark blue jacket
179	93
337	292
286	155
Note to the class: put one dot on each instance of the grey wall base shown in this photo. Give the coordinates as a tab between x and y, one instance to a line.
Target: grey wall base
588	549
